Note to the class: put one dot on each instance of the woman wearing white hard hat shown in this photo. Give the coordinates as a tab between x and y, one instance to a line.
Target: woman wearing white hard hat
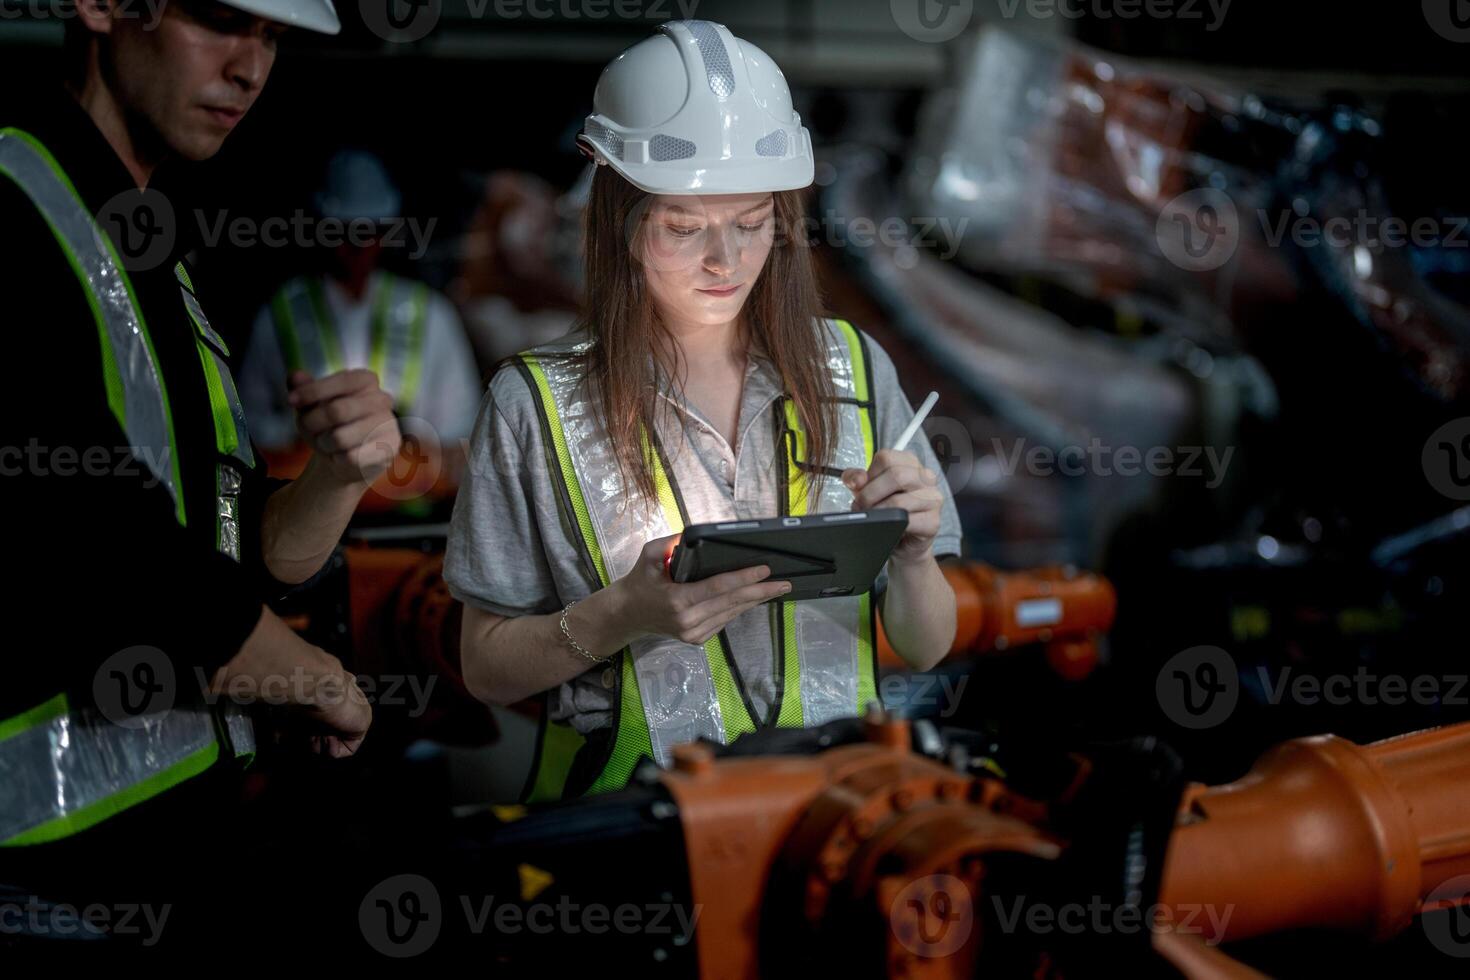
702	385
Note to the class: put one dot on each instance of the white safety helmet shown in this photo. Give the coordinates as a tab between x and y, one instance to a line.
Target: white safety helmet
696	110
313	15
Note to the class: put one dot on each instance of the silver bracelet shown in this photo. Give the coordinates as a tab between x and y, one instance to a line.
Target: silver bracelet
581	650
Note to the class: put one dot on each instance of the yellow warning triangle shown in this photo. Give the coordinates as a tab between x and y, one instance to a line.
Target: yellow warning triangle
534	881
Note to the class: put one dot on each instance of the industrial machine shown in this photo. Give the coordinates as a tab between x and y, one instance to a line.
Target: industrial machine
884	848
908	847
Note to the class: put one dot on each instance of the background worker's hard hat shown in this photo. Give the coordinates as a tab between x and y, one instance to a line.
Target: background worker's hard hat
696	110
312	15
357	187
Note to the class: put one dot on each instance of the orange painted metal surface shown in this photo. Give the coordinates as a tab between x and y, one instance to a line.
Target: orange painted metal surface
1062	608
872	818
1323	833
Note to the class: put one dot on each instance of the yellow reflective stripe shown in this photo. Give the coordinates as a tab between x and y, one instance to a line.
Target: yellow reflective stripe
798	488
286	330
326	327
225	437
93	814
792	712
183	276
791	715
631	740
413	369
559	746
867	682
407	377
378	358
38	715
568	471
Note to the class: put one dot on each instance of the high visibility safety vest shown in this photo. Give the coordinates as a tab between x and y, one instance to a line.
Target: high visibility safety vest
66	767
667	691
309	340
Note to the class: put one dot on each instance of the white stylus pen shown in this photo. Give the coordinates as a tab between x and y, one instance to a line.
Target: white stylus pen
908	433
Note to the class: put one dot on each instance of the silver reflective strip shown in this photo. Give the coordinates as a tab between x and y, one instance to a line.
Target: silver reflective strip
240	728
679	700
716	57
611	142
227	500
773	144
304	327
664	148
191	303
403	314
62	766
146	419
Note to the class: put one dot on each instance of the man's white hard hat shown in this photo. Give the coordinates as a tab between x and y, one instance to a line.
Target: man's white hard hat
313	15
696	110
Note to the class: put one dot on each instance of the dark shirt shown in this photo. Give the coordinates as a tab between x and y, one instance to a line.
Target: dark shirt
99	563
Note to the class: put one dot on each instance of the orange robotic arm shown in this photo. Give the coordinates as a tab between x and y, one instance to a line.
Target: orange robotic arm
1062	608
1323	833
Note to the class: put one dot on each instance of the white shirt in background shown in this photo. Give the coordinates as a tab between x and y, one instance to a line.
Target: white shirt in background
449	388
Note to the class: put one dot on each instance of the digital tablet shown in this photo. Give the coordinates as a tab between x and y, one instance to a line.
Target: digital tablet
821	555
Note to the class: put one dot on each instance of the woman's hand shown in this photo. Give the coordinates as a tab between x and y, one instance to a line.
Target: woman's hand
653	603
898	479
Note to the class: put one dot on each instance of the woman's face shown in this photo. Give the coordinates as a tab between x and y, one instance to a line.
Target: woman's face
701	256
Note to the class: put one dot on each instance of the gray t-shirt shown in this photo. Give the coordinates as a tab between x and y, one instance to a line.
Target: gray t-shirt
512	552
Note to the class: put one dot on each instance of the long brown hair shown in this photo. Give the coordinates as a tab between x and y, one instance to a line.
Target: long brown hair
780	316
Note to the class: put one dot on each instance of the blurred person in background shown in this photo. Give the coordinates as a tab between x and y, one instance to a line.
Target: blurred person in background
518	276
358	317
